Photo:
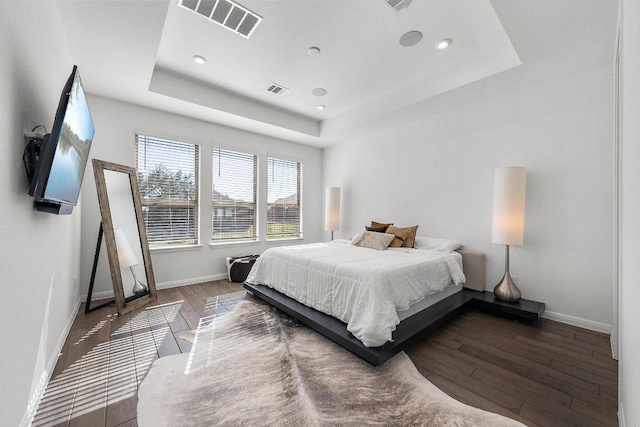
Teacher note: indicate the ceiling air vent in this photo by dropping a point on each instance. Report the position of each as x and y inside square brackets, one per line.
[277, 89]
[398, 5]
[226, 13]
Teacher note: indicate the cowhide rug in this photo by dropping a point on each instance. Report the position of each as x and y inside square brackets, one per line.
[256, 366]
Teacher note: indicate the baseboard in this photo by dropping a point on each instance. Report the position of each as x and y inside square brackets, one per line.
[578, 321]
[163, 285]
[51, 364]
[621, 421]
[191, 281]
[96, 296]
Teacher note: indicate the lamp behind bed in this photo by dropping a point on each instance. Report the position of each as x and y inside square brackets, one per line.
[332, 210]
[508, 221]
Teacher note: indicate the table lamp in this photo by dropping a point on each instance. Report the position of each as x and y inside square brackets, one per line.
[127, 258]
[332, 210]
[508, 221]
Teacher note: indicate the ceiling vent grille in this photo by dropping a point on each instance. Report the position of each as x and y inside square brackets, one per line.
[398, 5]
[277, 89]
[226, 13]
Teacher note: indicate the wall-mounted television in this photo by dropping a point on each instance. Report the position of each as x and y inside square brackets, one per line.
[64, 152]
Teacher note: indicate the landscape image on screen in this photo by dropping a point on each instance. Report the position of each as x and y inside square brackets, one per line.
[72, 151]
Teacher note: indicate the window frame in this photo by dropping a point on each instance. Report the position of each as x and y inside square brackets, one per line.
[194, 241]
[256, 196]
[300, 192]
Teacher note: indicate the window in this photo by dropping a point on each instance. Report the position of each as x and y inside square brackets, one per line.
[283, 199]
[168, 181]
[234, 195]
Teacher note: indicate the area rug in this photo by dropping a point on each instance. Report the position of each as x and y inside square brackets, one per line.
[256, 366]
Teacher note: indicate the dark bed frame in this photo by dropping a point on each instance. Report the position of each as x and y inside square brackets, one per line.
[409, 330]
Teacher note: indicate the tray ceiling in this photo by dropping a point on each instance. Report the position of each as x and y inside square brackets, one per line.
[143, 52]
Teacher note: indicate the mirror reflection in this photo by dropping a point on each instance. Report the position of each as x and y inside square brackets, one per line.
[125, 226]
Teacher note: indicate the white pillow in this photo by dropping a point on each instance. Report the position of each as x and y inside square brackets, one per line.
[373, 240]
[435, 244]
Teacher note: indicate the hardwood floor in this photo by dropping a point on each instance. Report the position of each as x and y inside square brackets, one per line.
[548, 375]
[105, 356]
[551, 374]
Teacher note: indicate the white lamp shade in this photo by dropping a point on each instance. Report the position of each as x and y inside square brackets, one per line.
[332, 209]
[126, 257]
[509, 191]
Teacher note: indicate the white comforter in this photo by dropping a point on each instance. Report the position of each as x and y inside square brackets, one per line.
[364, 288]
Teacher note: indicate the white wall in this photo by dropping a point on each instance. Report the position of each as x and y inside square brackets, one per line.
[116, 124]
[438, 173]
[630, 217]
[39, 255]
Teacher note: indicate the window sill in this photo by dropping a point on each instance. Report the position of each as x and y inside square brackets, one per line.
[181, 248]
[214, 245]
[276, 241]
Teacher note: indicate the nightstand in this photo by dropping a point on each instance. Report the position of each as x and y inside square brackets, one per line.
[523, 309]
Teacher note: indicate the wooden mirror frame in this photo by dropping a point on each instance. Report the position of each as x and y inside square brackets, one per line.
[123, 306]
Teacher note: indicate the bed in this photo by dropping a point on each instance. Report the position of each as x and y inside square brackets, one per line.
[371, 302]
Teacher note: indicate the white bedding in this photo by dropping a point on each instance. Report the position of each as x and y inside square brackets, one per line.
[430, 300]
[365, 288]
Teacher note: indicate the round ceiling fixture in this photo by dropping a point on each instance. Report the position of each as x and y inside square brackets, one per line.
[313, 51]
[199, 59]
[321, 107]
[319, 91]
[444, 43]
[410, 38]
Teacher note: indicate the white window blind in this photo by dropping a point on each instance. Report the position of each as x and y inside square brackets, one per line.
[168, 180]
[234, 195]
[283, 199]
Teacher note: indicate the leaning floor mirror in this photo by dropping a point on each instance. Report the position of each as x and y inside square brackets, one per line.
[125, 235]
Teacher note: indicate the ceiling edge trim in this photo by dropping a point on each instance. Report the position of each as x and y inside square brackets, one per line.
[179, 87]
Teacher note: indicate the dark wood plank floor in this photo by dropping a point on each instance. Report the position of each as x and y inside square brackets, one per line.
[548, 375]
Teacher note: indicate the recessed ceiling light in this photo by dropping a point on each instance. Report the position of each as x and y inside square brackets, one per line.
[321, 107]
[313, 51]
[444, 43]
[199, 59]
[411, 38]
[319, 91]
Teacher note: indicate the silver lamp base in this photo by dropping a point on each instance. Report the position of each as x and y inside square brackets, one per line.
[506, 290]
[138, 287]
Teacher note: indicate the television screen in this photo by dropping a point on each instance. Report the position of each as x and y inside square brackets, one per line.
[72, 148]
[66, 150]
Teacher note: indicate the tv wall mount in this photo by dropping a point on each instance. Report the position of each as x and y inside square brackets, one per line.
[36, 141]
[32, 150]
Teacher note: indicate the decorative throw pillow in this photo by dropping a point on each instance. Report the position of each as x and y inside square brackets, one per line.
[411, 240]
[404, 237]
[376, 229]
[384, 225]
[373, 240]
